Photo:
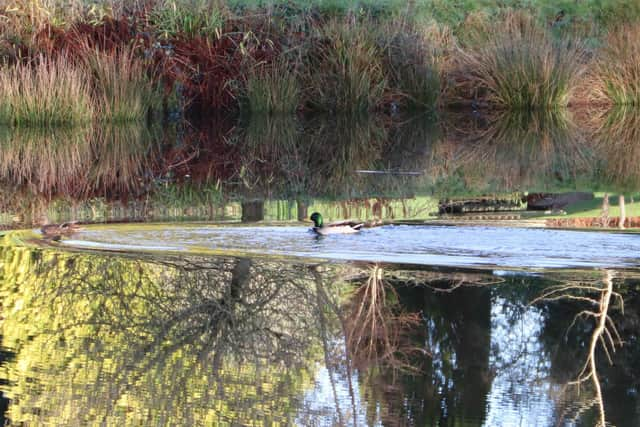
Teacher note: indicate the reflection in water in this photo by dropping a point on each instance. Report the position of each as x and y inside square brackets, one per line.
[525, 150]
[601, 300]
[195, 341]
[334, 160]
[42, 161]
[127, 158]
[203, 340]
[617, 133]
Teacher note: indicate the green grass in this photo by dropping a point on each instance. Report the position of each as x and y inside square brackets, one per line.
[272, 88]
[188, 18]
[593, 208]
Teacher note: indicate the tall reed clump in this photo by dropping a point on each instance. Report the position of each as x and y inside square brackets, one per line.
[616, 75]
[344, 70]
[122, 89]
[49, 92]
[272, 88]
[410, 63]
[519, 67]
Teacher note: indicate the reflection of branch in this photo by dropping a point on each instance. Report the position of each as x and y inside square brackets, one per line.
[604, 333]
[323, 299]
[374, 331]
[454, 280]
[599, 334]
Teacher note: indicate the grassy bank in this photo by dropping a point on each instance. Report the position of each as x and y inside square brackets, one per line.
[333, 56]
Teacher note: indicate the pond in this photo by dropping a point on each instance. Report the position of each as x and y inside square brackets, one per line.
[196, 294]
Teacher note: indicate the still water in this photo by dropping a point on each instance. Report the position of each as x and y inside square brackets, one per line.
[230, 312]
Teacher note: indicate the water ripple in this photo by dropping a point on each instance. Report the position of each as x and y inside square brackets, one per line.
[423, 245]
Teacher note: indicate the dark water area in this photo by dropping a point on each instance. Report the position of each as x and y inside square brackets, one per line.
[196, 295]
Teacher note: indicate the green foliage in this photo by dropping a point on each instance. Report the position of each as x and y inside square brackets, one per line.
[187, 198]
[612, 13]
[189, 18]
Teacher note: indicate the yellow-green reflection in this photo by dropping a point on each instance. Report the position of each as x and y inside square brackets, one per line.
[127, 342]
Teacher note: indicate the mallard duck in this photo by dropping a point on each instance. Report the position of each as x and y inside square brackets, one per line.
[342, 227]
[56, 231]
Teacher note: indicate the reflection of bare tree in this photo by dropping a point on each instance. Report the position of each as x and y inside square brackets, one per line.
[376, 331]
[599, 297]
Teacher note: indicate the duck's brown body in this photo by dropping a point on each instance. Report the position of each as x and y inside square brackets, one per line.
[55, 231]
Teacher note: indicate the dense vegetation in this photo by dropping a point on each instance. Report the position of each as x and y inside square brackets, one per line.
[334, 56]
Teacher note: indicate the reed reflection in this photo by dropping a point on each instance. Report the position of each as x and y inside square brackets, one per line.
[193, 168]
[616, 133]
[515, 151]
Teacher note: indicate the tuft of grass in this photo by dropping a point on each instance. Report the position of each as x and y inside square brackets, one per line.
[272, 88]
[123, 90]
[410, 62]
[344, 71]
[616, 75]
[49, 92]
[188, 18]
[519, 67]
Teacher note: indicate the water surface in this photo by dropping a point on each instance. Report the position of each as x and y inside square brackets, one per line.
[453, 246]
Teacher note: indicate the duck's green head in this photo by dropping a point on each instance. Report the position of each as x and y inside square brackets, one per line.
[317, 219]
